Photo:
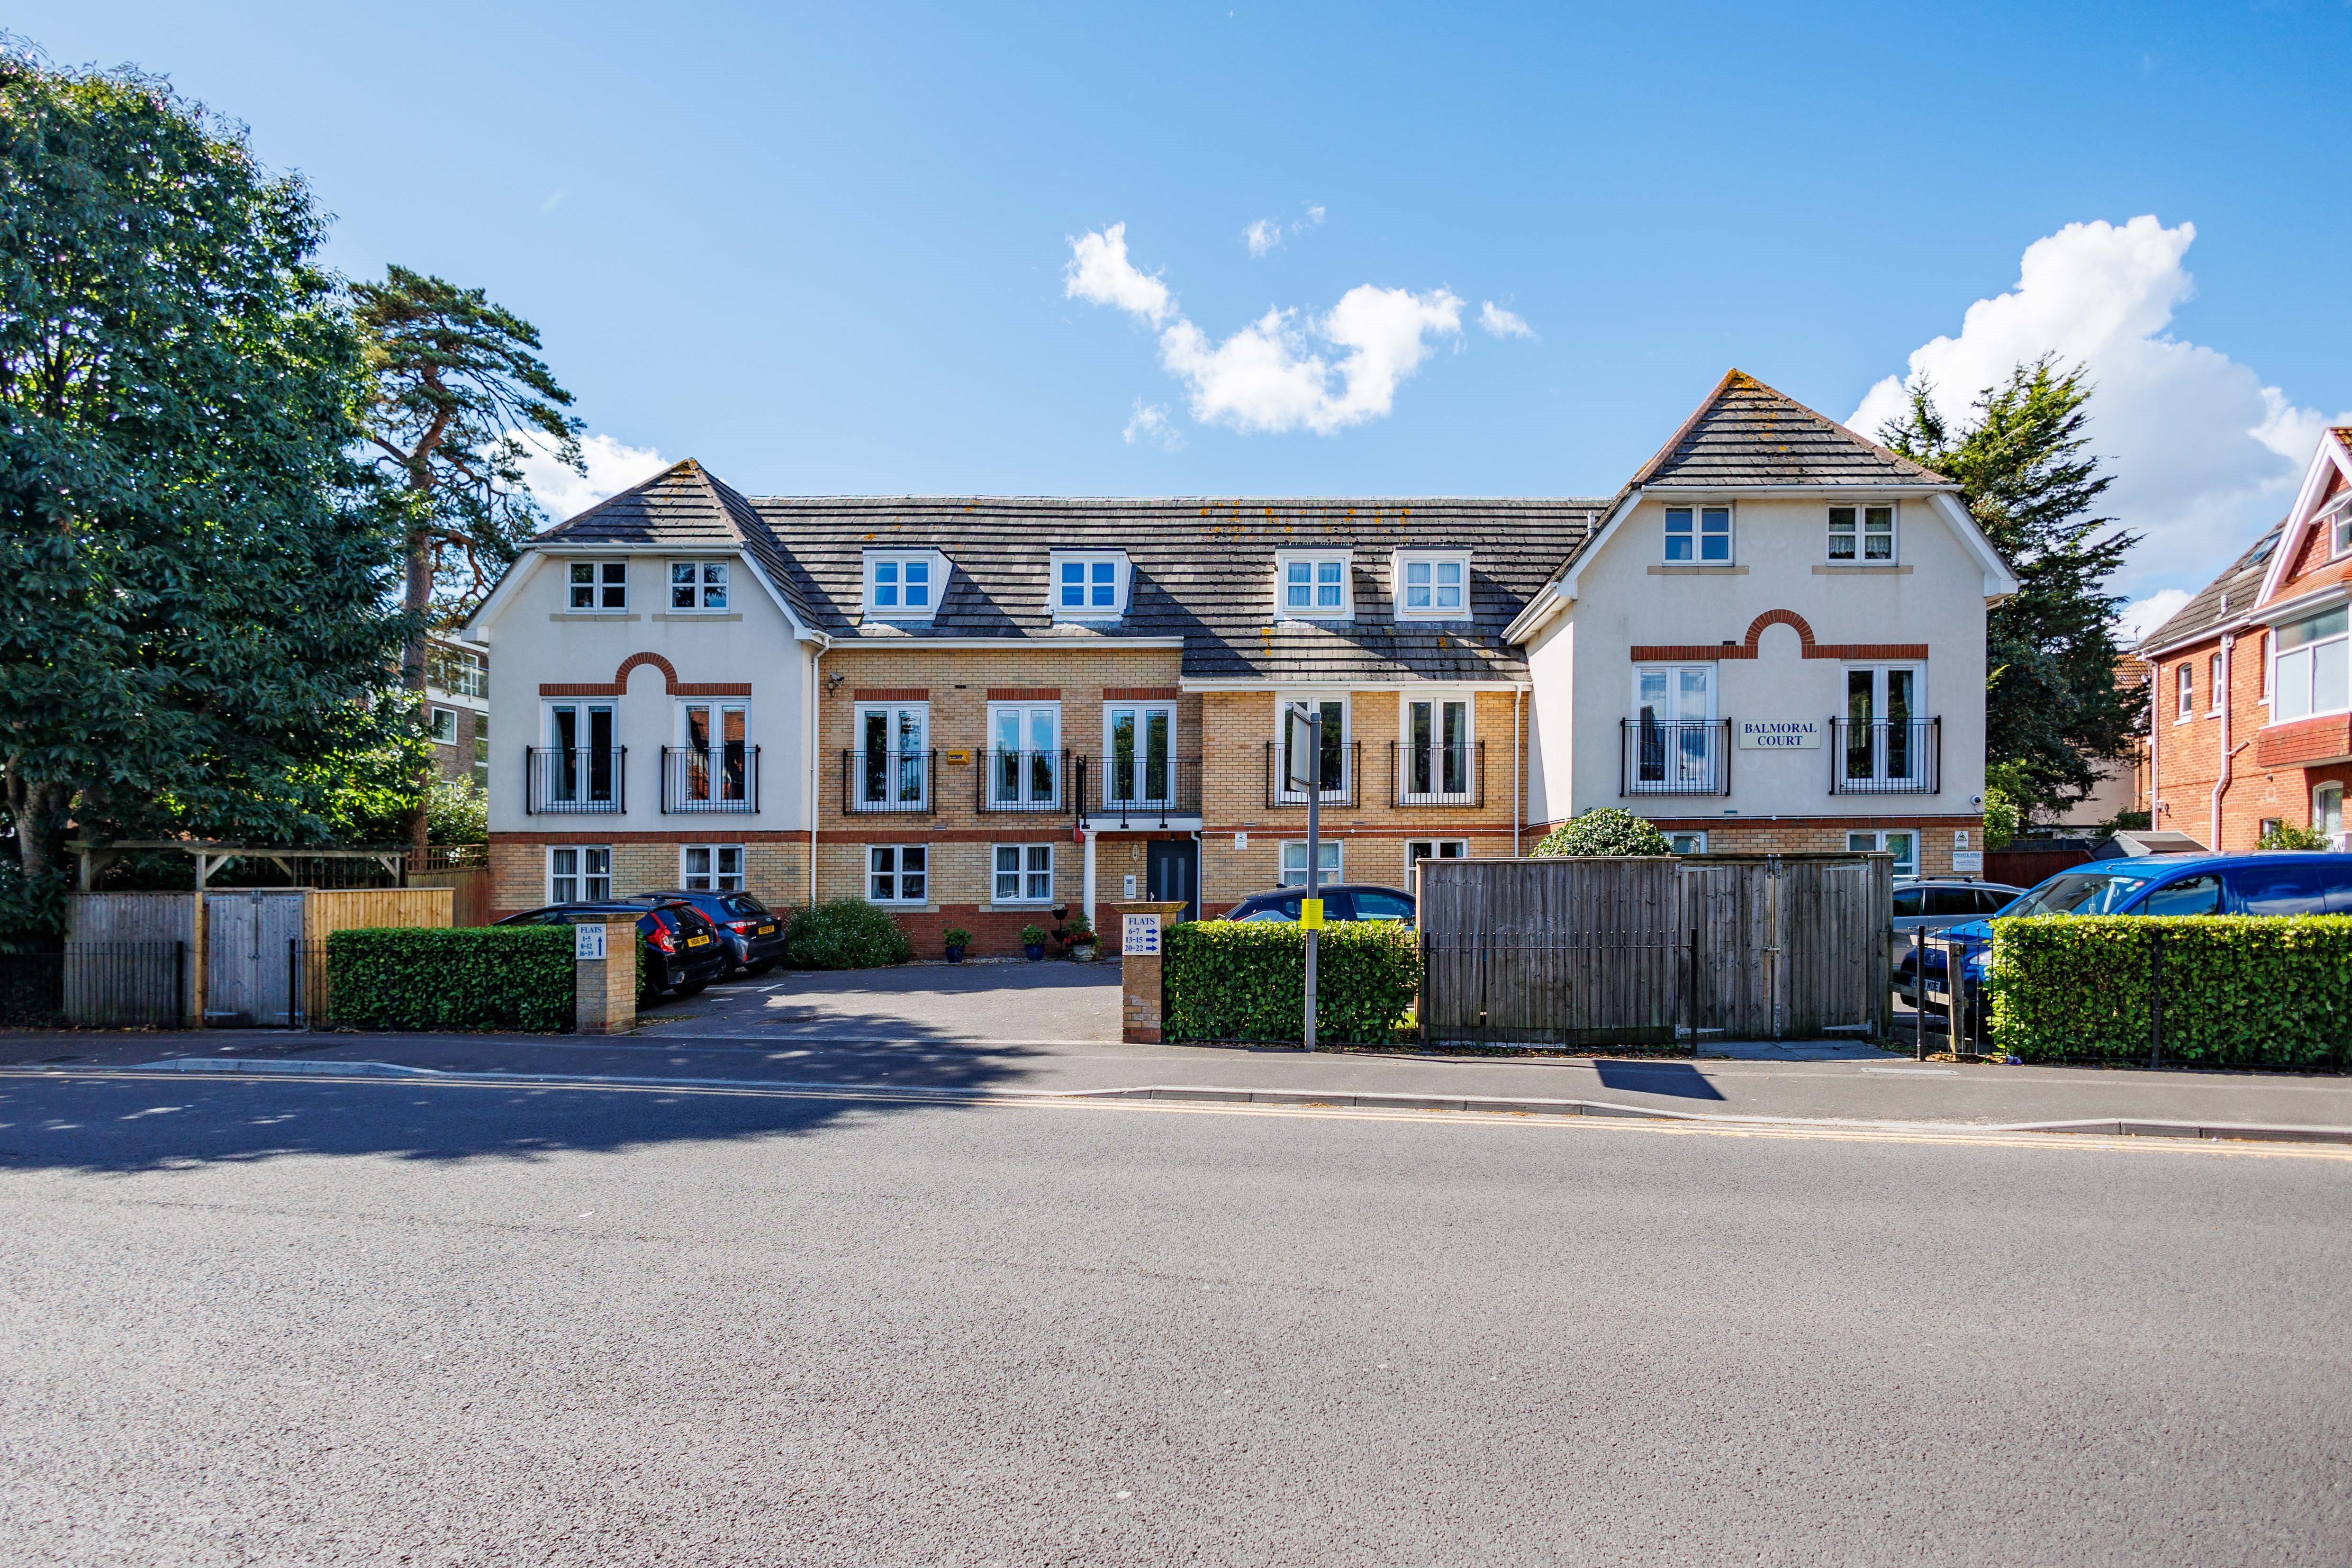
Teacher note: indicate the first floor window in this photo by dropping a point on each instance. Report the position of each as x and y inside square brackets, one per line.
[712, 867]
[1024, 874]
[1332, 764]
[1687, 843]
[1420, 850]
[894, 772]
[482, 750]
[1673, 745]
[698, 585]
[1900, 842]
[578, 873]
[2184, 701]
[2310, 672]
[444, 726]
[898, 873]
[1708, 541]
[1294, 863]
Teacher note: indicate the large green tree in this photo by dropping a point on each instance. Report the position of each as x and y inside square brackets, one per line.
[196, 593]
[459, 388]
[2052, 710]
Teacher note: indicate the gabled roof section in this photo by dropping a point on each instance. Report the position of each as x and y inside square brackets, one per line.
[2225, 601]
[2331, 462]
[1747, 434]
[687, 507]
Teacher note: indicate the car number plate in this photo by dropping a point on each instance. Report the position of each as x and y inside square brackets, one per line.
[767, 930]
[696, 941]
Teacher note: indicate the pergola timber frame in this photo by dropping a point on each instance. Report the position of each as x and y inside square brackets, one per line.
[211, 857]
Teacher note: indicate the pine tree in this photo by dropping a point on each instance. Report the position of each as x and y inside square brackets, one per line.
[2052, 710]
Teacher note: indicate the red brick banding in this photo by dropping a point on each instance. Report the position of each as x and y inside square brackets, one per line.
[890, 694]
[1661, 653]
[1024, 694]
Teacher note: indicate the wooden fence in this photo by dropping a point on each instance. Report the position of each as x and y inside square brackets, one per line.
[1656, 950]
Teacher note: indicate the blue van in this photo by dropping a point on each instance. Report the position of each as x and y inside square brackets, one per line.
[2280, 882]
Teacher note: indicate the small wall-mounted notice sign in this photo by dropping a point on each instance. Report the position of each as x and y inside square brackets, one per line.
[588, 943]
[1138, 936]
[1968, 862]
[1779, 735]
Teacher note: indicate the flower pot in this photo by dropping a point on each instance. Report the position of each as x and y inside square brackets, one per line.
[955, 955]
[1084, 952]
[1033, 950]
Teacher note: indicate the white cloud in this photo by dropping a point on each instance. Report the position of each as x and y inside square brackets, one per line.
[2143, 615]
[1270, 375]
[1263, 235]
[1100, 273]
[1314, 216]
[612, 469]
[1152, 423]
[1503, 323]
[2204, 456]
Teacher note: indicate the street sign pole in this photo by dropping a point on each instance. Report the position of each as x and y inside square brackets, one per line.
[1314, 860]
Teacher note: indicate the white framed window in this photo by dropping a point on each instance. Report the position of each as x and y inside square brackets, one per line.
[1088, 585]
[2335, 523]
[456, 670]
[1687, 843]
[582, 764]
[1312, 584]
[2328, 812]
[1436, 754]
[1884, 735]
[894, 761]
[482, 749]
[1676, 746]
[712, 758]
[1335, 769]
[1330, 851]
[1417, 850]
[710, 868]
[598, 585]
[2262, 659]
[2184, 693]
[1699, 535]
[579, 873]
[1902, 843]
[1024, 755]
[2213, 684]
[2309, 673]
[1024, 874]
[1433, 586]
[1862, 535]
[904, 584]
[1140, 748]
[898, 873]
[444, 726]
[698, 585]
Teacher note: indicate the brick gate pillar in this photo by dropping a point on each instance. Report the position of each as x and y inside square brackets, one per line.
[1142, 928]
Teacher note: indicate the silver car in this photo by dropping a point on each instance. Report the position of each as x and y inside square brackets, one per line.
[1932, 903]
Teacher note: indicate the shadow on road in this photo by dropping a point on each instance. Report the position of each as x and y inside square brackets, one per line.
[1678, 1079]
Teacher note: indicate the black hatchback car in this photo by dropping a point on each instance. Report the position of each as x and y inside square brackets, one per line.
[754, 935]
[684, 951]
[1342, 902]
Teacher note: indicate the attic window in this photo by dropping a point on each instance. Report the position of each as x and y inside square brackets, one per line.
[904, 584]
[698, 585]
[1088, 585]
[1433, 586]
[599, 585]
[1699, 534]
[1864, 533]
[2338, 521]
[1312, 586]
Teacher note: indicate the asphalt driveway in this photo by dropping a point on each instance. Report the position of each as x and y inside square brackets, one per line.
[1055, 1002]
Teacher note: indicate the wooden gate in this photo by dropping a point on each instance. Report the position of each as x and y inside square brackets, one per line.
[250, 937]
[1645, 950]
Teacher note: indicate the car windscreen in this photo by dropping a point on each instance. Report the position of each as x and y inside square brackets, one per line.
[743, 906]
[2079, 893]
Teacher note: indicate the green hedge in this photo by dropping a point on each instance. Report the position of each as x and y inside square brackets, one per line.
[1246, 980]
[2238, 990]
[473, 977]
[848, 933]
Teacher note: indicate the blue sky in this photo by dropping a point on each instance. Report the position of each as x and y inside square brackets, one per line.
[830, 248]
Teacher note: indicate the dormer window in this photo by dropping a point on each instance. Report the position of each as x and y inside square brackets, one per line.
[904, 584]
[698, 585]
[1090, 585]
[1698, 535]
[1433, 586]
[1312, 585]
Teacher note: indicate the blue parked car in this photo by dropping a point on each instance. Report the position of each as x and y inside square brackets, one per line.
[2284, 882]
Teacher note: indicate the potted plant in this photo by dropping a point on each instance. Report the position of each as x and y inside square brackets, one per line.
[956, 939]
[1032, 943]
[1078, 936]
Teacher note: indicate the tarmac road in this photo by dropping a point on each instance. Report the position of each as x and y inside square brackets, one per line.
[255, 1321]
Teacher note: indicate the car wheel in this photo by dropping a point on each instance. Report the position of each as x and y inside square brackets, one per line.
[764, 966]
[694, 990]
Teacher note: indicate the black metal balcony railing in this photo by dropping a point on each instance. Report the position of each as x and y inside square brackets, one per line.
[904, 783]
[1886, 756]
[1342, 766]
[1656, 758]
[569, 778]
[725, 778]
[1437, 773]
[1148, 790]
[1023, 780]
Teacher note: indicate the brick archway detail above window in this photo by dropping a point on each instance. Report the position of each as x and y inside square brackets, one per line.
[619, 685]
[1669, 653]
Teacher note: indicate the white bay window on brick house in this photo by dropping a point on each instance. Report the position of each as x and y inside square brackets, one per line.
[2309, 669]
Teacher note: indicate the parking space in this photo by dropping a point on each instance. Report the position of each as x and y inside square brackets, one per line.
[1052, 1003]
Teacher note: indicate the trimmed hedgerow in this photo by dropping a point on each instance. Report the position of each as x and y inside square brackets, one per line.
[1604, 830]
[1246, 980]
[848, 933]
[468, 977]
[2237, 991]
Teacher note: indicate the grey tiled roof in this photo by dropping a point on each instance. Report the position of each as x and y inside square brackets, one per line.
[2225, 599]
[1202, 569]
[1746, 434]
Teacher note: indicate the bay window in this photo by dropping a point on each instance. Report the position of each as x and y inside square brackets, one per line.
[2308, 668]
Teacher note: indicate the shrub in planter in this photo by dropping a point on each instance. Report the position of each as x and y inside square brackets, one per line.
[955, 938]
[1033, 942]
[1246, 980]
[468, 977]
[848, 933]
[1604, 830]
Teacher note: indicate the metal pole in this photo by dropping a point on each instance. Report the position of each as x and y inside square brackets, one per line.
[1693, 989]
[179, 984]
[1314, 856]
[2155, 995]
[1919, 996]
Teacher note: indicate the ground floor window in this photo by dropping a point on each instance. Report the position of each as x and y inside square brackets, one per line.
[1687, 843]
[1294, 863]
[579, 873]
[1420, 850]
[2328, 812]
[898, 873]
[1024, 874]
[711, 868]
[1902, 843]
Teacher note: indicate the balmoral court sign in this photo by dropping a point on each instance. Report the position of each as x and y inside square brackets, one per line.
[1779, 735]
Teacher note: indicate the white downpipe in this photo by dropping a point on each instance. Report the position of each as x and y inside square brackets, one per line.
[2222, 779]
[817, 735]
[1089, 904]
[1519, 757]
